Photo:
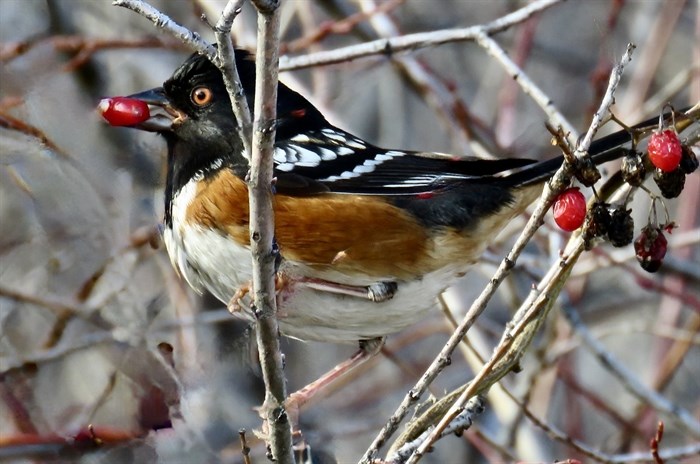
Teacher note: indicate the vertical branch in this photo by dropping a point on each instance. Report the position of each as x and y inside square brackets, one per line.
[226, 62]
[262, 230]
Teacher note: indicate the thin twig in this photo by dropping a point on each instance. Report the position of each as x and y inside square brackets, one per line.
[189, 38]
[414, 41]
[461, 423]
[262, 232]
[560, 179]
[679, 415]
[225, 61]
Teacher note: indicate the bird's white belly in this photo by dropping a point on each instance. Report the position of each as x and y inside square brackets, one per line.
[209, 260]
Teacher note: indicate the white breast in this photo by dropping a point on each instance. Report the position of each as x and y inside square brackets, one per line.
[204, 257]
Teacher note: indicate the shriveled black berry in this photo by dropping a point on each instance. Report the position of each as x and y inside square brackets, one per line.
[670, 183]
[597, 223]
[650, 248]
[586, 171]
[633, 170]
[689, 162]
[621, 228]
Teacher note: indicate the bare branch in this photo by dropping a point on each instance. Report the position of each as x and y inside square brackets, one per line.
[414, 41]
[262, 230]
[226, 62]
[189, 38]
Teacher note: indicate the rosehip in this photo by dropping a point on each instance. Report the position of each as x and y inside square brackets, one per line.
[665, 150]
[650, 248]
[597, 223]
[633, 170]
[122, 111]
[689, 162]
[621, 227]
[670, 183]
[570, 209]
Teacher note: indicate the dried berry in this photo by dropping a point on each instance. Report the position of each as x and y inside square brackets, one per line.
[597, 223]
[670, 183]
[122, 111]
[569, 209]
[633, 170]
[689, 162]
[665, 150]
[650, 248]
[586, 171]
[621, 228]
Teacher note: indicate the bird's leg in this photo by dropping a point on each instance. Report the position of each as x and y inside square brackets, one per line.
[236, 303]
[377, 292]
[368, 349]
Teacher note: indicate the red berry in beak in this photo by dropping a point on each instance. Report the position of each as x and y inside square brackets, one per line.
[122, 111]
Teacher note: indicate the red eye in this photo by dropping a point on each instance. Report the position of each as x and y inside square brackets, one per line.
[201, 96]
[122, 111]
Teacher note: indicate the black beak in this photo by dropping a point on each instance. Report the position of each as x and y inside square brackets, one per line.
[164, 116]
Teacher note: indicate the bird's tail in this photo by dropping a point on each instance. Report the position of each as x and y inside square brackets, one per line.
[608, 148]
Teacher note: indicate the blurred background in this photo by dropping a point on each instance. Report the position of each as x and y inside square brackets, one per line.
[101, 342]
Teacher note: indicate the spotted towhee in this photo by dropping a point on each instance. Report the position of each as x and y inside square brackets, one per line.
[368, 236]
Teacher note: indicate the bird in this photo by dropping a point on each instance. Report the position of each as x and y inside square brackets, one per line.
[368, 237]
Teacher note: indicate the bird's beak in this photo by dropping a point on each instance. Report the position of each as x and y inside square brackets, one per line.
[164, 117]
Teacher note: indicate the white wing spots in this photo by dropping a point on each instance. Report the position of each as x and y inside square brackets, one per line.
[306, 157]
[301, 138]
[344, 151]
[333, 135]
[289, 156]
[286, 167]
[366, 167]
[329, 155]
[356, 143]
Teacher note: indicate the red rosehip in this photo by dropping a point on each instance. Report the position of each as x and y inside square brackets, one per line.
[650, 248]
[570, 209]
[665, 150]
[122, 111]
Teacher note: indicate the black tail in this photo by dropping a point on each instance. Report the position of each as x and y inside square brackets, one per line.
[608, 148]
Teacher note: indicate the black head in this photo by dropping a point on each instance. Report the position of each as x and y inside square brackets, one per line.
[193, 107]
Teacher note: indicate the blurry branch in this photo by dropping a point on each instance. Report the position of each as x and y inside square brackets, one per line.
[14, 124]
[673, 454]
[679, 415]
[82, 47]
[52, 446]
[447, 105]
[343, 26]
[414, 41]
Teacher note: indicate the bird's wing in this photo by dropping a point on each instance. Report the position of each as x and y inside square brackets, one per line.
[331, 160]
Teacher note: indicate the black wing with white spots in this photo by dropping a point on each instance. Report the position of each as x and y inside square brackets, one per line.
[333, 160]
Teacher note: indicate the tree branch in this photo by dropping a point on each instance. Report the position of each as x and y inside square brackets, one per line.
[262, 232]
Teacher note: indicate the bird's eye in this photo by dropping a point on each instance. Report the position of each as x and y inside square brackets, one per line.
[201, 96]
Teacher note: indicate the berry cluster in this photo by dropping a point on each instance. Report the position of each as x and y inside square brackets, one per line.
[670, 160]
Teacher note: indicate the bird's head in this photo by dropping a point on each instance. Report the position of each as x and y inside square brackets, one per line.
[193, 109]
